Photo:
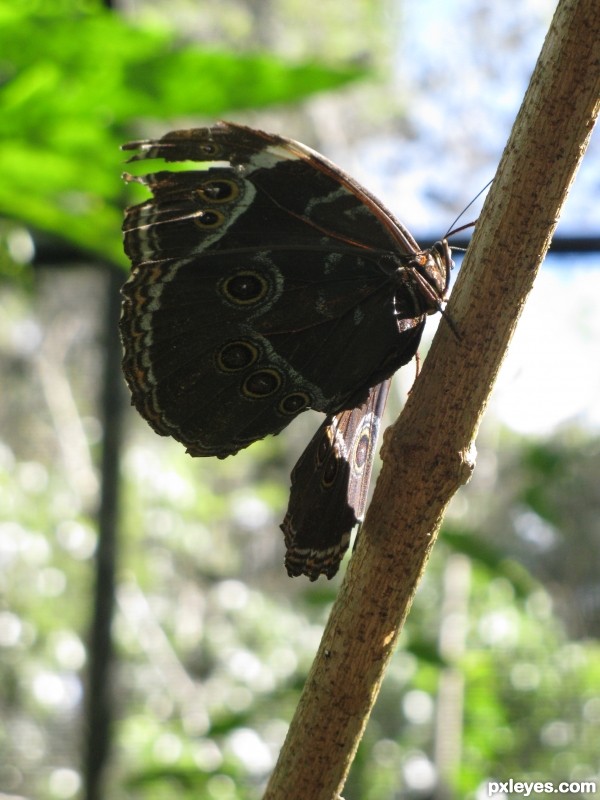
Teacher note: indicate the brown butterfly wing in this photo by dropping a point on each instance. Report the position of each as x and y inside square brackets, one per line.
[264, 282]
[329, 488]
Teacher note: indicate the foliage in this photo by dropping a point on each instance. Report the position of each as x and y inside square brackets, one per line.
[75, 78]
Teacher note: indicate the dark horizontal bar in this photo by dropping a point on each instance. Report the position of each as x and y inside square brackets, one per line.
[560, 244]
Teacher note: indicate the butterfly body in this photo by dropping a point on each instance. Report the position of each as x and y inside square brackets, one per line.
[265, 281]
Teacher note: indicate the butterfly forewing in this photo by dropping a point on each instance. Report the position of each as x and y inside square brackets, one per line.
[259, 289]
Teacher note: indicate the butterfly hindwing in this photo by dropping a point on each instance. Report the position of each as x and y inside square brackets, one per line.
[329, 488]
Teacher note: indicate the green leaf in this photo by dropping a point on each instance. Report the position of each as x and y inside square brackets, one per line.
[76, 81]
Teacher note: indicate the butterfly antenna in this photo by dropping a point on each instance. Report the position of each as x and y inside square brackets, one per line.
[452, 230]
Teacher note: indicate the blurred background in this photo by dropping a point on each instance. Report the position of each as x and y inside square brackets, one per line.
[151, 642]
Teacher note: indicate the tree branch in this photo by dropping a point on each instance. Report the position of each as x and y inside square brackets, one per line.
[430, 451]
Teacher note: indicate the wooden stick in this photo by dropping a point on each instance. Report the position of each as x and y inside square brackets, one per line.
[430, 451]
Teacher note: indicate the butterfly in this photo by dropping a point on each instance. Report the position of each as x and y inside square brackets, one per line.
[266, 281]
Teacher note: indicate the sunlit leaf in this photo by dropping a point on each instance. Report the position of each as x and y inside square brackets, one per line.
[77, 80]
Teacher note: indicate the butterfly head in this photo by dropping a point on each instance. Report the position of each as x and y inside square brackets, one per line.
[427, 277]
[438, 268]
